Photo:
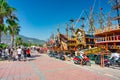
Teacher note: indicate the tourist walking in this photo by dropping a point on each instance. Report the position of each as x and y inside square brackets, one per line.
[25, 54]
[0, 52]
[28, 52]
[8, 52]
[19, 52]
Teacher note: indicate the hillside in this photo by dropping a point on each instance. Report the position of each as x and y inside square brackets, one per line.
[6, 39]
[32, 40]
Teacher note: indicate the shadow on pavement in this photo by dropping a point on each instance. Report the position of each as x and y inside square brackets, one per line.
[115, 67]
[31, 59]
[34, 56]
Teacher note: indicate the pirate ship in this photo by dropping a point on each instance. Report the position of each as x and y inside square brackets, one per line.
[77, 40]
[109, 37]
[106, 37]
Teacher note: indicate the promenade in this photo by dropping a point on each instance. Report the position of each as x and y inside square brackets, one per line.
[42, 67]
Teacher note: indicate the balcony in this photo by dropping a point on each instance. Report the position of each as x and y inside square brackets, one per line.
[108, 39]
[107, 30]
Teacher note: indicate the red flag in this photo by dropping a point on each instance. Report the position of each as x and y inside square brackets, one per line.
[78, 20]
[101, 8]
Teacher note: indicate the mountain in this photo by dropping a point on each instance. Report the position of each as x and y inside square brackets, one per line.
[31, 40]
[6, 39]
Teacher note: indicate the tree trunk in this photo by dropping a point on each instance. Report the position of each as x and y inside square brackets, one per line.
[1, 22]
[12, 41]
[0, 36]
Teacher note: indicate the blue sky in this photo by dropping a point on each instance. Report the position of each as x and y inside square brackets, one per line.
[40, 18]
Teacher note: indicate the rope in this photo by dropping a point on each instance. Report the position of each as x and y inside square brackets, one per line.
[93, 5]
[78, 19]
[82, 13]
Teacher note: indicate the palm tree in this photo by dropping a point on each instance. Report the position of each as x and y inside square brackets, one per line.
[18, 41]
[13, 27]
[5, 11]
[3, 29]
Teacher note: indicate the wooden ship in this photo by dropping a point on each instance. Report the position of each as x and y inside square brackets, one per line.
[78, 39]
[99, 40]
[108, 37]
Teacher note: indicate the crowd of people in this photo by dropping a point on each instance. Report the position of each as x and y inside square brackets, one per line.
[15, 54]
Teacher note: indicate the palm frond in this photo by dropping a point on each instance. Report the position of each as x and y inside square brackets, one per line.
[15, 18]
[10, 29]
[2, 27]
[5, 29]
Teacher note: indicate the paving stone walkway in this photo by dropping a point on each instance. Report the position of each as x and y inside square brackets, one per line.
[42, 67]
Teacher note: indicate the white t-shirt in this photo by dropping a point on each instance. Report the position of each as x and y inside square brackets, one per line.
[48, 51]
[115, 55]
[19, 51]
[6, 51]
[76, 53]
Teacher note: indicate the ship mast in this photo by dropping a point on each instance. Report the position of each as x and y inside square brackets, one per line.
[72, 28]
[91, 22]
[109, 23]
[58, 29]
[66, 29]
[116, 7]
[58, 33]
[82, 18]
[100, 18]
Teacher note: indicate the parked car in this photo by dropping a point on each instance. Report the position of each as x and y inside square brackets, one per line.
[118, 62]
[60, 56]
[51, 53]
[106, 60]
[114, 62]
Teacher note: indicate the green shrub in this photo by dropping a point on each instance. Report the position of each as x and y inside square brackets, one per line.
[3, 46]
